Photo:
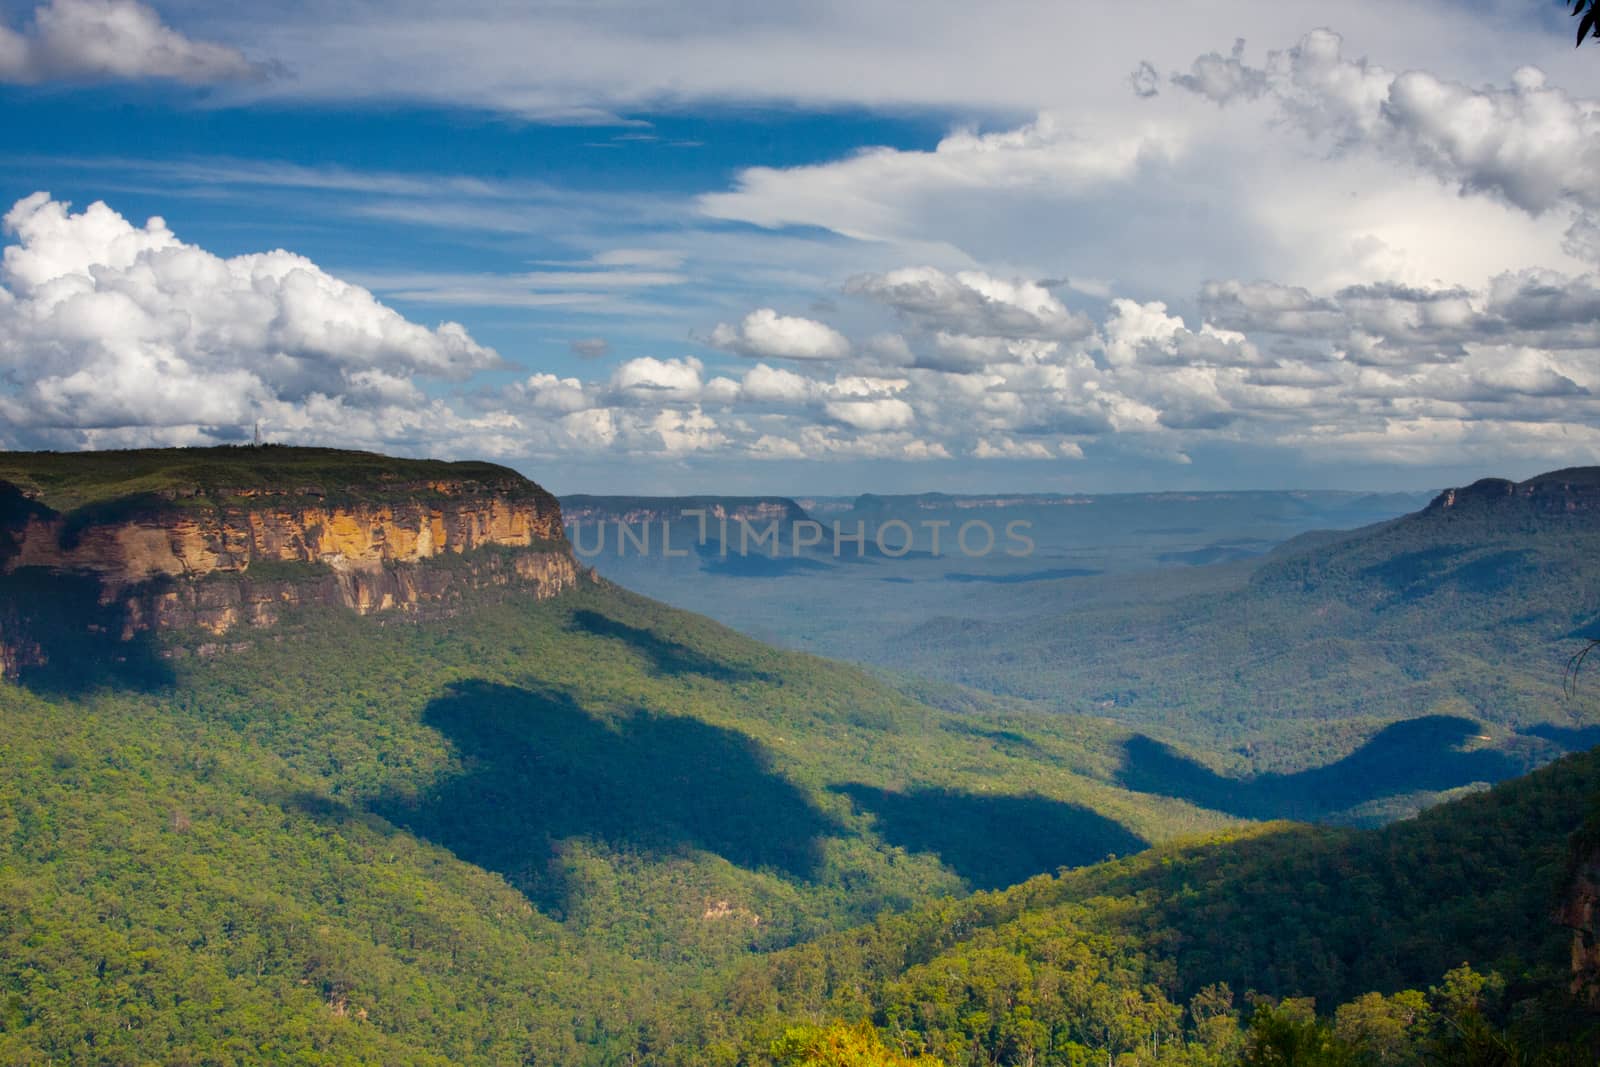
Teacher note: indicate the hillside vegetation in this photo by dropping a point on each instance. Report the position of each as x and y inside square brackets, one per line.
[68, 481]
[1159, 958]
[594, 828]
[445, 842]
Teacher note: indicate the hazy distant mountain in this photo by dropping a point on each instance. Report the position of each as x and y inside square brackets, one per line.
[1468, 609]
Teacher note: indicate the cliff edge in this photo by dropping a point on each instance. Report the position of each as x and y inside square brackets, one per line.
[120, 544]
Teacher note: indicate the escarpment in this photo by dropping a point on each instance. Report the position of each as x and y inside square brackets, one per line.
[1579, 912]
[118, 545]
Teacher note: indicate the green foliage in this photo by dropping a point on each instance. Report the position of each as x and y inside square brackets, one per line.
[520, 834]
[79, 481]
[841, 1045]
[1102, 961]
[594, 828]
[1289, 1034]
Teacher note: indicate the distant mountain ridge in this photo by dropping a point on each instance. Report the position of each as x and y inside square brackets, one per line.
[1569, 489]
[1467, 608]
[590, 508]
[1484, 535]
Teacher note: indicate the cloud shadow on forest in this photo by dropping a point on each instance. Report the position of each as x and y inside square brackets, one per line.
[1418, 754]
[666, 657]
[537, 770]
[993, 841]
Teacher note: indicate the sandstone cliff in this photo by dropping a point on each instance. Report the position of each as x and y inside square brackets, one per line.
[1579, 911]
[221, 539]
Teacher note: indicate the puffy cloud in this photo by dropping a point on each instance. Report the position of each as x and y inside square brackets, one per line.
[112, 333]
[765, 334]
[890, 349]
[82, 40]
[594, 429]
[818, 442]
[1145, 333]
[1549, 308]
[972, 302]
[722, 390]
[1387, 323]
[104, 324]
[686, 431]
[1222, 78]
[650, 380]
[765, 384]
[1493, 374]
[883, 413]
[546, 392]
[1267, 305]
[960, 353]
[854, 386]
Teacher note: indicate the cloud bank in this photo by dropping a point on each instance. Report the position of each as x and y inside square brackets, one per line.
[1307, 255]
[115, 334]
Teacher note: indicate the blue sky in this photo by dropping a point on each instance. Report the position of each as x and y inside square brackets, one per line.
[199, 167]
[824, 249]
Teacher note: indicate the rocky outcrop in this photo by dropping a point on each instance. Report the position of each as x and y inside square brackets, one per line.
[1579, 911]
[1575, 489]
[215, 558]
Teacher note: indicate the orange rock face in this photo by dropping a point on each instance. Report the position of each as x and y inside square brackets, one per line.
[216, 564]
[194, 543]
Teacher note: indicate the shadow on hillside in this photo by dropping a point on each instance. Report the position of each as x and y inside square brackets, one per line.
[1418, 754]
[993, 841]
[538, 769]
[1570, 738]
[67, 642]
[666, 657]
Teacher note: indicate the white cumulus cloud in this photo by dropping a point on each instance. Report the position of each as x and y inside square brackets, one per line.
[765, 334]
[104, 324]
[649, 379]
[1528, 143]
[884, 413]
